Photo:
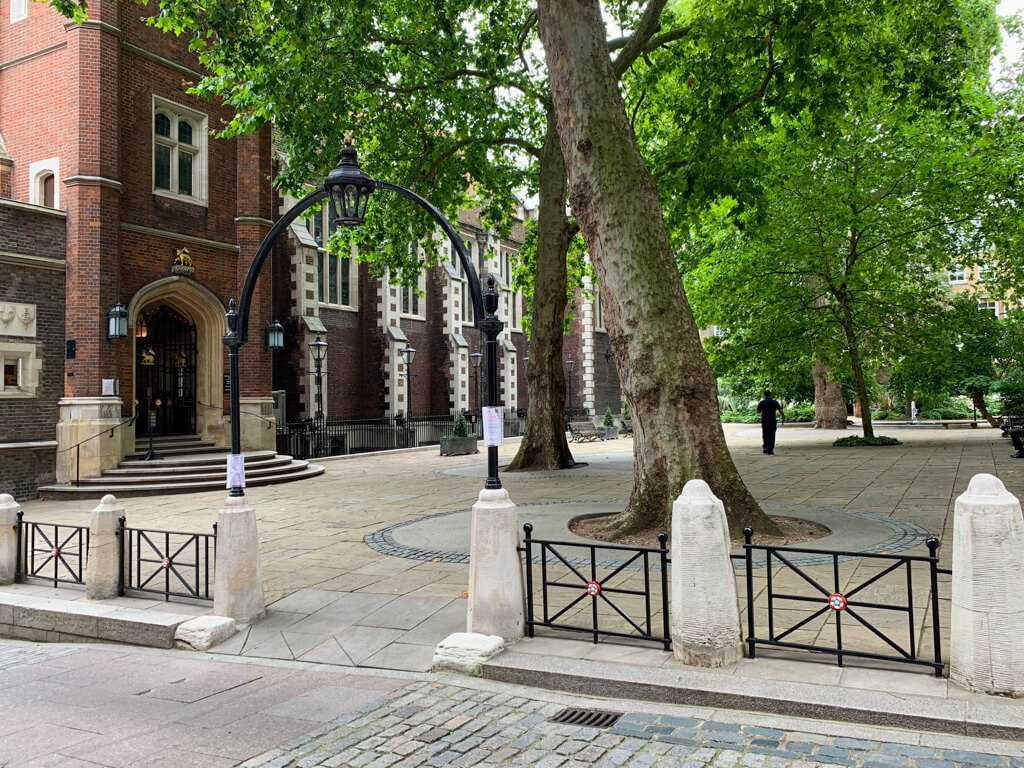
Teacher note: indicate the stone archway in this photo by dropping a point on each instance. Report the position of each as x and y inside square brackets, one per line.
[205, 310]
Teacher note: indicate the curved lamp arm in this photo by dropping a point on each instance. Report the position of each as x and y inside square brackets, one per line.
[460, 248]
[249, 287]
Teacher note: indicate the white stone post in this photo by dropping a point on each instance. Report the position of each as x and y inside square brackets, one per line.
[496, 605]
[987, 623]
[238, 576]
[8, 538]
[103, 566]
[705, 620]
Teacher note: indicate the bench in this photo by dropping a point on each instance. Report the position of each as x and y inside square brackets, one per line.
[627, 427]
[947, 423]
[583, 431]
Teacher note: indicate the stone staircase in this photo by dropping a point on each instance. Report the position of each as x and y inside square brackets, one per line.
[183, 463]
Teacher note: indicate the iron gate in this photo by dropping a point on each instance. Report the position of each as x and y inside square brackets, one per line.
[165, 385]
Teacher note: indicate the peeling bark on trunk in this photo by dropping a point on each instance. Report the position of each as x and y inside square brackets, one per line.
[544, 445]
[658, 355]
[978, 398]
[829, 406]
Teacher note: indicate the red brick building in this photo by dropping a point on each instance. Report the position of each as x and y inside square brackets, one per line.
[113, 191]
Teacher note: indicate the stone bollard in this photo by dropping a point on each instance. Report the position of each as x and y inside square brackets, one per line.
[103, 566]
[8, 538]
[705, 620]
[496, 604]
[987, 622]
[238, 576]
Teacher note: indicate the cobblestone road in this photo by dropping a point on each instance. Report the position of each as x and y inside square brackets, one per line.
[433, 725]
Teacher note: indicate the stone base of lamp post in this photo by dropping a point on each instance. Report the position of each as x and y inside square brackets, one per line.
[496, 595]
[238, 579]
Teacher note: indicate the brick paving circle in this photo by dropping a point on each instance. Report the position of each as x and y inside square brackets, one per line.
[904, 535]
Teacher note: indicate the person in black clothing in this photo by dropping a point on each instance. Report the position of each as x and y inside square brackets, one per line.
[767, 409]
[1015, 435]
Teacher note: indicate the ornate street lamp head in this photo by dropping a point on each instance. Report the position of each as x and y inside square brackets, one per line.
[318, 348]
[568, 365]
[409, 354]
[275, 336]
[349, 187]
[475, 358]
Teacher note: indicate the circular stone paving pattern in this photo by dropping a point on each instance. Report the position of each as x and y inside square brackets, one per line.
[444, 537]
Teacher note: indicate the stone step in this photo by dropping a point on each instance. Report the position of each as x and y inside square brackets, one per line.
[168, 485]
[142, 440]
[158, 467]
[170, 446]
[179, 451]
[210, 460]
[284, 466]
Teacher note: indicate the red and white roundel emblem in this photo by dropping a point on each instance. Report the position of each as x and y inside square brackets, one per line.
[837, 602]
[167, 562]
[56, 551]
[158, 402]
[593, 588]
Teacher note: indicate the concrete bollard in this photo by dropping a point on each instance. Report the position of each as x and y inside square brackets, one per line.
[103, 566]
[987, 622]
[496, 605]
[238, 576]
[8, 538]
[705, 620]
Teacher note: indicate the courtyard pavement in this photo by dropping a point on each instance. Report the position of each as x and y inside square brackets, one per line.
[83, 706]
[335, 599]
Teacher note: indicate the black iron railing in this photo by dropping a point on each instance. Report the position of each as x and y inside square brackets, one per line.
[317, 438]
[168, 563]
[584, 584]
[830, 601]
[77, 447]
[44, 547]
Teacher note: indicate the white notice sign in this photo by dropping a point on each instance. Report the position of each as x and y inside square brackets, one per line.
[236, 470]
[492, 426]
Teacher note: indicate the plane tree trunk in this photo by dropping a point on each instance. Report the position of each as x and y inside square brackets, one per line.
[829, 405]
[670, 387]
[544, 444]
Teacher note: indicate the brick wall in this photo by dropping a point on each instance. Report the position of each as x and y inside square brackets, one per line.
[40, 234]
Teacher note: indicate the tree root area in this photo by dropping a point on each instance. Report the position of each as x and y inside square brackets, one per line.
[793, 531]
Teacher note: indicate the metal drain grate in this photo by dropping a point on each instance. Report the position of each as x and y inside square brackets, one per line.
[591, 718]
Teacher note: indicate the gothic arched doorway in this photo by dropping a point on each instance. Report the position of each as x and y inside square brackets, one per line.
[165, 371]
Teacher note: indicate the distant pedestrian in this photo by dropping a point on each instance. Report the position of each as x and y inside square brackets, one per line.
[767, 409]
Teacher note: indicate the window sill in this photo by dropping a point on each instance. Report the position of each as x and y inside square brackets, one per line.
[180, 198]
[340, 307]
[5, 395]
[406, 316]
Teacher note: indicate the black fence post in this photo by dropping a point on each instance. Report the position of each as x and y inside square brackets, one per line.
[120, 555]
[748, 534]
[933, 567]
[663, 544]
[527, 533]
[19, 563]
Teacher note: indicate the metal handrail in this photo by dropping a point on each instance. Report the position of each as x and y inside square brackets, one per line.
[77, 446]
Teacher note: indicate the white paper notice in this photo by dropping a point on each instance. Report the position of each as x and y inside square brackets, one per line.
[492, 426]
[108, 387]
[236, 470]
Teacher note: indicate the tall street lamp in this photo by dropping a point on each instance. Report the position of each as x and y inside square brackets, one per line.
[349, 189]
[409, 354]
[318, 349]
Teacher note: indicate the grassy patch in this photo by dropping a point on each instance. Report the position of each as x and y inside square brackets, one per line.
[858, 440]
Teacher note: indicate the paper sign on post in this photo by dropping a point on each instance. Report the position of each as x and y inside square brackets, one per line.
[236, 470]
[492, 426]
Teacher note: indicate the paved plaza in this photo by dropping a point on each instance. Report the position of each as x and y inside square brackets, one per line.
[339, 595]
[88, 706]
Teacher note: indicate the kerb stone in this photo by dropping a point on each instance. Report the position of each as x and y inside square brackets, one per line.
[465, 652]
[705, 622]
[203, 632]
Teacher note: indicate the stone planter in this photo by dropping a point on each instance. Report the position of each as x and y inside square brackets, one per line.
[458, 446]
[609, 433]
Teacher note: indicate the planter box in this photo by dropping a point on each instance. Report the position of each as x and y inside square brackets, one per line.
[609, 433]
[458, 446]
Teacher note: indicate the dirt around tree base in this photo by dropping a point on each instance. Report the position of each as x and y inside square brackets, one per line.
[793, 531]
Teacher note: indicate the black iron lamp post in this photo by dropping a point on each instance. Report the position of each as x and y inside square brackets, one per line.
[349, 189]
[319, 350]
[409, 354]
[568, 373]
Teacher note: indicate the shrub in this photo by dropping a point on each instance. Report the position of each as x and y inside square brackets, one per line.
[856, 440]
[800, 412]
[609, 420]
[459, 428]
[625, 411]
